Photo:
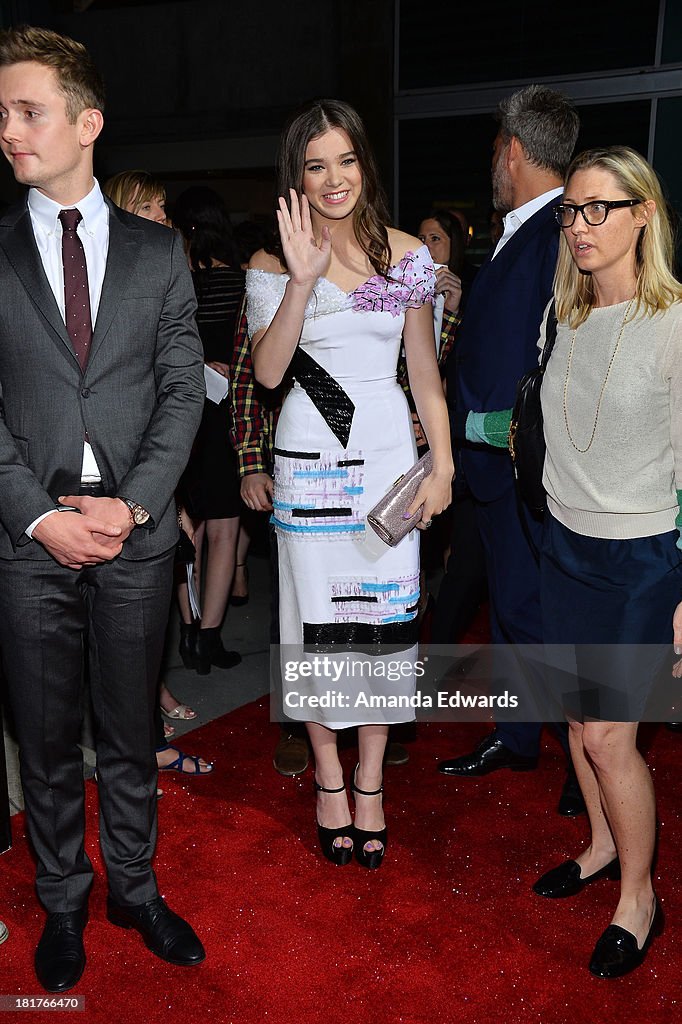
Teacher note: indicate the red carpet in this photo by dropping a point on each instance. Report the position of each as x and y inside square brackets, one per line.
[447, 930]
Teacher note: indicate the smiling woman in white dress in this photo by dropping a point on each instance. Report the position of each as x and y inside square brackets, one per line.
[330, 309]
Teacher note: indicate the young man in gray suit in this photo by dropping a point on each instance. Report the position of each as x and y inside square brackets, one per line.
[101, 393]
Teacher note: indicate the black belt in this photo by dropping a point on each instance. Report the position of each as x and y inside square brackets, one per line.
[92, 490]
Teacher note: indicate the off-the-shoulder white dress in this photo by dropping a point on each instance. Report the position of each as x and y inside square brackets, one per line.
[344, 436]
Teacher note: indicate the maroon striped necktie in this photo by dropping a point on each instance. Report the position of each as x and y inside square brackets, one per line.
[76, 290]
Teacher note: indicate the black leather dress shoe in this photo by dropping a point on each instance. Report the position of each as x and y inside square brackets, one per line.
[571, 800]
[566, 881]
[617, 953]
[488, 756]
[165, 933]
[60, 956]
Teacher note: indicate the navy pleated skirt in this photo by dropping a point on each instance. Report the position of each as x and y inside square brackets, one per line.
[607, 608]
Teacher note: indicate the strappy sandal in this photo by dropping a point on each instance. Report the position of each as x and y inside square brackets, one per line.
[176, 765]
[368, 858]
[339, 855]
[180, 711]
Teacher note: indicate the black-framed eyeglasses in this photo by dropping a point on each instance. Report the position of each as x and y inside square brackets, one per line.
[594, 213]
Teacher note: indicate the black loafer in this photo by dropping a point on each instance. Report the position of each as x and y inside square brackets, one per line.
[60, 956]
[165, 933]
[566, 881]
[617, 952]
[571, 800]
[490, 755]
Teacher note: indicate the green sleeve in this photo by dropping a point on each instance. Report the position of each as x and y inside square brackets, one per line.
[489, 427]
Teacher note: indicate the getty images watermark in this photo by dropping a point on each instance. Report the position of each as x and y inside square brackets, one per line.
[374, 672]
[340, 686]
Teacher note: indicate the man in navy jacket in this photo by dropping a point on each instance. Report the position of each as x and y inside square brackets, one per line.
[496, 346]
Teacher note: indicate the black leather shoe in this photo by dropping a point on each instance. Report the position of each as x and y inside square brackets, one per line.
[60, 956]
[617, 953]
[488, 756]
[571, 800]
[566, 881]
[164, 932]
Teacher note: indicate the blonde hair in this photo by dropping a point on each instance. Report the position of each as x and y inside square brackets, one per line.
[656, 286]
[133, 186]
[77, 77]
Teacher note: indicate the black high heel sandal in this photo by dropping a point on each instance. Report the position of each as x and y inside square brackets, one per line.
[339, 855]
[368, 858]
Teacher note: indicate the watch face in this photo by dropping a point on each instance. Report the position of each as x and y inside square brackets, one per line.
[140, 515]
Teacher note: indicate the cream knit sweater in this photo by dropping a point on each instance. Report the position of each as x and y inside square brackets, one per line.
[625, 485]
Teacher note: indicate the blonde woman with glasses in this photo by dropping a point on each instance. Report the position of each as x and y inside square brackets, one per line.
[611, 565]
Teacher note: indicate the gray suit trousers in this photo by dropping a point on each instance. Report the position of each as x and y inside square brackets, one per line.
[48, 616]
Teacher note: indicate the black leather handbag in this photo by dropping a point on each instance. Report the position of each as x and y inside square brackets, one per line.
[185, 552]
[526, 433]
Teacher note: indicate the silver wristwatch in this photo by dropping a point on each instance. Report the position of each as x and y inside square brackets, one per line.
[138, 514]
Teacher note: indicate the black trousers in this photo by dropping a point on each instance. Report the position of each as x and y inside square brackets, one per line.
[47, 614]
[465, 584]
[5, 826]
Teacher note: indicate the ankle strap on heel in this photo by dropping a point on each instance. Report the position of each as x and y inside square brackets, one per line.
[364, 792]
[367, 792]
[321, 789]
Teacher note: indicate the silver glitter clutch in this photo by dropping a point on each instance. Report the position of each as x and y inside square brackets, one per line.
[386, 518]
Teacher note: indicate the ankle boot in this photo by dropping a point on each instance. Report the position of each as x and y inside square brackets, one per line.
[188, 644]
[210, 651]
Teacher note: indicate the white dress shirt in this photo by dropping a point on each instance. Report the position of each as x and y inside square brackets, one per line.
[515, 218]
[93, 231]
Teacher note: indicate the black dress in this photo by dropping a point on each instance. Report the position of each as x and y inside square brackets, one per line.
[210, 484]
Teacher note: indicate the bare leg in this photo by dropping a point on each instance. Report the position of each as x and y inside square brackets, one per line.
[183, 604]
[602, 848]
[627, 797]
[369, 814]
[221, 536]
[240, 584]
[332, 808]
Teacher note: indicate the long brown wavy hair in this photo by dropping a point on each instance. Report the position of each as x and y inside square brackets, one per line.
[370, 216]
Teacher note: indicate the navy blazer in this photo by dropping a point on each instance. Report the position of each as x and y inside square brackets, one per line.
[497, 341]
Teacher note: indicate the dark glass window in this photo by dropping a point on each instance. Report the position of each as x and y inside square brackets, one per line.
[495, 41]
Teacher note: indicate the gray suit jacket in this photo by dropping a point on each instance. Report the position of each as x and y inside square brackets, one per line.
[140, 398]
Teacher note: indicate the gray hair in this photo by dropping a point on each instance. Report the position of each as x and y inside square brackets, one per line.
[546, 124]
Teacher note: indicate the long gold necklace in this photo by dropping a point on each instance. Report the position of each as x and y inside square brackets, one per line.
[603, 387]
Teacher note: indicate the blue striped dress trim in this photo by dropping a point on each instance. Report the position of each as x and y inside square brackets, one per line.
[318, 527]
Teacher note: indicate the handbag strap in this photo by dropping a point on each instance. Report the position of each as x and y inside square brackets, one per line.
[523, 512]
[550, 336]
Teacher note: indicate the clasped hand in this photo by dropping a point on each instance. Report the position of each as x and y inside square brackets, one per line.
[305, 259]
[94, 535]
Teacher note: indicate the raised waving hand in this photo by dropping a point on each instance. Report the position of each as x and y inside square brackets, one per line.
[306, 260]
